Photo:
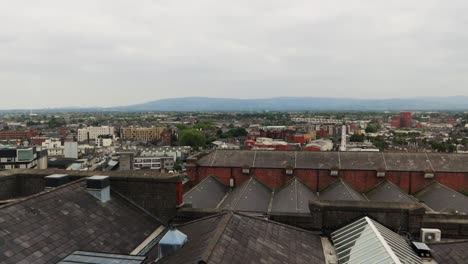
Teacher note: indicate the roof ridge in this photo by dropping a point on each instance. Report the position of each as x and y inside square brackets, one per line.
[242, 193]
[275, 223]
[206, 254]
[203, 218]
[127, 200]
[24, 199]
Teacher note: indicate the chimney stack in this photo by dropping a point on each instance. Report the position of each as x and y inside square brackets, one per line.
[99, 187]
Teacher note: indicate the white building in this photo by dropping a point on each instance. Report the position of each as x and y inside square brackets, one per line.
[104, 141]
[91, 133]
[54, 147]
[71, 150]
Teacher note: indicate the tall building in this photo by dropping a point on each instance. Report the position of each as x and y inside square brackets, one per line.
[141, 133]
[91, 133]
[405, 119]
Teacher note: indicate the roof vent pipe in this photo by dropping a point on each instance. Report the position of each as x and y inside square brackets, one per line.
[55, 180]
[99, 187]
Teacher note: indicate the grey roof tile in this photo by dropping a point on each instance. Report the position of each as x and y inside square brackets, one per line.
[443, 199]
[386, 191]
[51, 225]
[340, 191]
[293, 197]
[206, 194]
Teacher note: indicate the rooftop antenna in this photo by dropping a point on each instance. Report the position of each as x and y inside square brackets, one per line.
[343, 138]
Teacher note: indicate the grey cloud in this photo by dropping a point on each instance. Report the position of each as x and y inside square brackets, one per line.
[104, 53]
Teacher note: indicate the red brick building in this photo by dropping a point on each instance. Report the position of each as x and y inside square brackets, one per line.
[409, 171]
[15, 134]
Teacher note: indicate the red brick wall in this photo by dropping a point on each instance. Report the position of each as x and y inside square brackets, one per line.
[362, 181]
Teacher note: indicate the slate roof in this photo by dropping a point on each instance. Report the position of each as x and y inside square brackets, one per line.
[206, 194]
[48, 226]
[341, 191]
[342, 160]
[237, 238]
[443, 199]
[452, 252]
[386, 191]
[293, 197]
[251, 196]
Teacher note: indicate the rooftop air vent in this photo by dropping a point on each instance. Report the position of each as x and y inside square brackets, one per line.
[246, 169]
[172, 241]
[55, 180]
[289, 170]
[99, 187]
[334, 171]
[429, 235]
[381, 173]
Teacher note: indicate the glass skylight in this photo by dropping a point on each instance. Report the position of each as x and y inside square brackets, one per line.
[366, 241]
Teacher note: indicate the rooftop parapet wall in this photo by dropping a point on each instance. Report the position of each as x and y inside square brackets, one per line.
[153, 191]
[331, 215]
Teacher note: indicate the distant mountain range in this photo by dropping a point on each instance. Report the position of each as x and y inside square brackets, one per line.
[453, 103]
[301, 104]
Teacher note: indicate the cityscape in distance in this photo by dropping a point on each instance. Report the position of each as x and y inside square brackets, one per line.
[233, 132]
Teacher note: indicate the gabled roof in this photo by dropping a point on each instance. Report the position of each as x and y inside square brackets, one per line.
[251, 196]
[386, 191]
[293, 197]
[206, 194]
[340, 191]
[443, 199]
[343, 160]
[237, 238]
[48, 226]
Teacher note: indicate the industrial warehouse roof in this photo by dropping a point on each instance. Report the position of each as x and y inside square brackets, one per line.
[206, 194]
[386, 191]
[341, 191]
[251, 195]
[237, 238]
[443, 199]
[293, 197]
[342, 160]
[48, 226]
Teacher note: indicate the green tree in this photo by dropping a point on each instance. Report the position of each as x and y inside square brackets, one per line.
[193, 138]
[357, 138]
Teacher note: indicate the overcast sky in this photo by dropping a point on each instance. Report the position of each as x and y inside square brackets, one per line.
[56, 53]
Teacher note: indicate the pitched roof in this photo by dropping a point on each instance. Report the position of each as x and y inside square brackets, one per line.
[206, 194]
[293, 197]
[342, 160]
[237, 238]
[251, 196]
[443, 199]
[386, 191]
[453, 252]
[48, 226]
[341, 191]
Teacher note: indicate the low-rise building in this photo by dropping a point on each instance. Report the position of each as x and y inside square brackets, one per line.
[141, 133]
[91, 133]
[22, 158]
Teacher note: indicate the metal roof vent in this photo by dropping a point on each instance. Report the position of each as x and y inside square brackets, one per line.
[55, 180]
[172, 241]
[99, 187]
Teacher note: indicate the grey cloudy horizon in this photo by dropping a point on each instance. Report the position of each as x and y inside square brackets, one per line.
[108, 53]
